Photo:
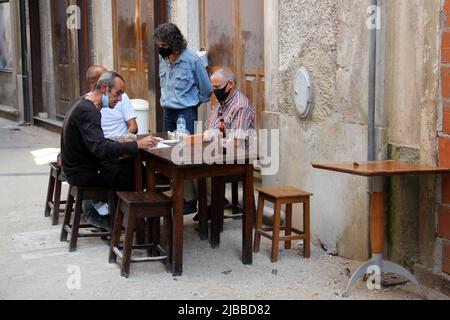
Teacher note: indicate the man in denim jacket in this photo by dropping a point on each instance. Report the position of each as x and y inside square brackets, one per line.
[185, 85]
[184, 81]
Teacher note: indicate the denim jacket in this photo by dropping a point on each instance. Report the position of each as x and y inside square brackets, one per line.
[185, 83]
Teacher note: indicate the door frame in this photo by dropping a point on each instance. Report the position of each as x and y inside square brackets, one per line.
[158, 13]
[140, 63]
[238, 56]
[116, 50]
[83, 46]
[79, 50]
[236, 27]
[35, 56]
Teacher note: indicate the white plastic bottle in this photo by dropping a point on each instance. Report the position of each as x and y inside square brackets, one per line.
[181, 124]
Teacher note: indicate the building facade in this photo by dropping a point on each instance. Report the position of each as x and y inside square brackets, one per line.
[266, 42]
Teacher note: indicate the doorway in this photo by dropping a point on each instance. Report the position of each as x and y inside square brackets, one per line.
[233, 33]
[71, 54]
[131, 45]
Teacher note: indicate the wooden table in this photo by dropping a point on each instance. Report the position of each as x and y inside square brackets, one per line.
[160, 161]
[379, 170]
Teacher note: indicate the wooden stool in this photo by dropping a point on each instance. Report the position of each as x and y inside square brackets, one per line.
[280, 196]
[53, 201]
[137, 206]
[77, 195]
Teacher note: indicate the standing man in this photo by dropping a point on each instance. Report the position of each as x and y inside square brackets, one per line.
[118, 121]
[88, 158]
[184, 87]
[184, 81]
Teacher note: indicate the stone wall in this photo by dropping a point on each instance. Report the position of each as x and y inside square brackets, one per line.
[8, 93]
[410, 107]
[330, 39]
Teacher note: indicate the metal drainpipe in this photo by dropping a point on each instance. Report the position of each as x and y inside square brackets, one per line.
[24, 71]
[372, 104]
[372, 90]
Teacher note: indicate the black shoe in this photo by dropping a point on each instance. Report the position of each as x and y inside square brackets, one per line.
[190, 207]
[209, 215]
[95, 219]
[88, 206]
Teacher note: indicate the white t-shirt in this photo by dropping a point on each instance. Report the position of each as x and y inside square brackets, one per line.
[114, 121]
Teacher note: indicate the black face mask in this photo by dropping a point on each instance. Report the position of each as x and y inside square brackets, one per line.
[221, 94]
[165, 52]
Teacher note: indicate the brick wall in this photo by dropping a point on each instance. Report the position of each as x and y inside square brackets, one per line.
[443, 217]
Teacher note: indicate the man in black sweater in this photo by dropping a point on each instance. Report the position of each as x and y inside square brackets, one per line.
[88, 158]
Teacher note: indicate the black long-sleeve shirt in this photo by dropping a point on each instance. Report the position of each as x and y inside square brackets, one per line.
[83, 144]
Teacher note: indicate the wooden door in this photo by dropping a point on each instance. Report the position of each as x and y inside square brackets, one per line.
[131, 45]
[66, 58]
[233, 33]
[251, 62]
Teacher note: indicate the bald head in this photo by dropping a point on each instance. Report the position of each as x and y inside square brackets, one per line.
[93, 74]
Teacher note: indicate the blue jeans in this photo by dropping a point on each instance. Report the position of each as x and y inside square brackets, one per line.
[170, 124]
[171, 118]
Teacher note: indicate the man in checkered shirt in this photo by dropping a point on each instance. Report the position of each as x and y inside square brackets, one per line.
[232, 106]
[238, 115]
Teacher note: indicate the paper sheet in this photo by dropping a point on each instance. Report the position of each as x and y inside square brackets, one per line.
[160, 146]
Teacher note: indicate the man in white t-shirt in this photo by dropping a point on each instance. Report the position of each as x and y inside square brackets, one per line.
[119, 121]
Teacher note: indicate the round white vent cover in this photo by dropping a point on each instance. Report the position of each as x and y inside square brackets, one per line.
[302, 93]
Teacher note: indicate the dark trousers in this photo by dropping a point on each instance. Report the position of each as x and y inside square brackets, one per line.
[171, 118]
[117, 175]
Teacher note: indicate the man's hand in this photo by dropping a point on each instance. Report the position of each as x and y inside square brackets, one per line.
[147, 143]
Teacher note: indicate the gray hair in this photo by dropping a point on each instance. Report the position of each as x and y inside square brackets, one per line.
[93, 73]
[108, 78]
[225, 74]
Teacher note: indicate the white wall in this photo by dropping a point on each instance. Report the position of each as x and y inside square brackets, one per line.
[186, 15]
[103, 33]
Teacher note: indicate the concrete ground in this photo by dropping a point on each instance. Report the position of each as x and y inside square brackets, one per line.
[35, 265]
